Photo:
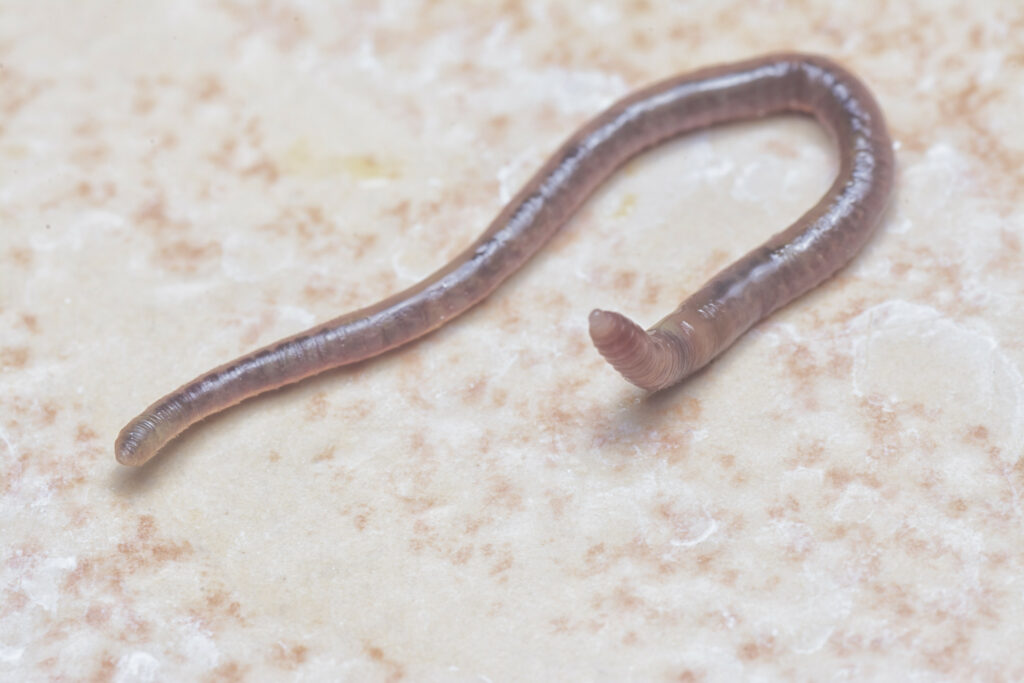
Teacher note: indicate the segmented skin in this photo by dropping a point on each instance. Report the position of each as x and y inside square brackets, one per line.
[787, 265]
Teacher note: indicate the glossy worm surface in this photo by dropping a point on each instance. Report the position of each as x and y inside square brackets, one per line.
[787, 265]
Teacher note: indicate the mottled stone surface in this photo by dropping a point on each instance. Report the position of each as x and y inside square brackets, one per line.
[839, 496]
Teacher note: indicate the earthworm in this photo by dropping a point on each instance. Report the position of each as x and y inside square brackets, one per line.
[787, 265]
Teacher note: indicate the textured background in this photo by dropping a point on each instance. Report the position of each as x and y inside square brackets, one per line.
[840, 496]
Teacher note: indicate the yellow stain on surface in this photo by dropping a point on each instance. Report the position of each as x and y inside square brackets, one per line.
[626, 206]
[14, 151]
[300, 159]
[368, 167]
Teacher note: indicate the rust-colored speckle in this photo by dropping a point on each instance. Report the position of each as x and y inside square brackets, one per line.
[958, 507]
[219, 604]
[395, 671]
[503, 493]
[30, 322]
[809, 453]
[462, 555]
[146, 527]
[289, 656]
[499, 397]
[86, 128]
[13, 358]
[754, 650]
[209, 88]
[105, 670]
[222, 157]
[166, 552]
[324, 455]
[688, 409]
[360, 520]
[98, 615]
[505, 562]
[624, 279]
[559, 625]
[143, 103]
[85, 433]
[264, 169]
[229, 672]
[977, 433]
[189, 257]
[905, 609]
[558, 502]
[838, 478]
[944, 660]
[497, 125]
[474, 390]
[152, 211]
[625, 598]
[145, 549]
[48, 414]
[802, 367]
[314, 294]
[14, 601]
[705, 561]
[641, 39]
[95, 192]
[284, 28]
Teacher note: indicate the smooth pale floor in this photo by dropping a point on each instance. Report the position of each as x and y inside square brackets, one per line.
[839, 496]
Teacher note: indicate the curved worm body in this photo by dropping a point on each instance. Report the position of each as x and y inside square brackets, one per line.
[787, 265]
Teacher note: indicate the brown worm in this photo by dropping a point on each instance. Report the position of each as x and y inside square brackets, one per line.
[787, 265]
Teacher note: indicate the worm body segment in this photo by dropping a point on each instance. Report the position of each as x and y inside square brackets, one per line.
[787, 265]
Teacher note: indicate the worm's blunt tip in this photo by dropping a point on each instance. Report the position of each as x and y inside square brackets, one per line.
[122, 460]
[127, 451]
[126, 457]
[601, 323]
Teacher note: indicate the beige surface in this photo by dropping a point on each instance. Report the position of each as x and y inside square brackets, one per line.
[840, 496]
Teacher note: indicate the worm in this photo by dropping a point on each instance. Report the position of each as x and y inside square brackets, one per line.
[792, 262]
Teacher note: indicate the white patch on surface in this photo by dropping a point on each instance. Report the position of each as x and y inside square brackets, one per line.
[942, 166]
[74, 234]
[199, 646]
[138, 666]
[573, 91]
[7, 444]
[10, 655]
[757, 182]
[245, 259]
[856, 504]
[299, 315]
[513, 175]
[403, 272]
[43, 586]
[907, 353]
[710, 527]
[366, 56]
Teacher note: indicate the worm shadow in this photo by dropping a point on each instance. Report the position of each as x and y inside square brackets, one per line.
[637, 415]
